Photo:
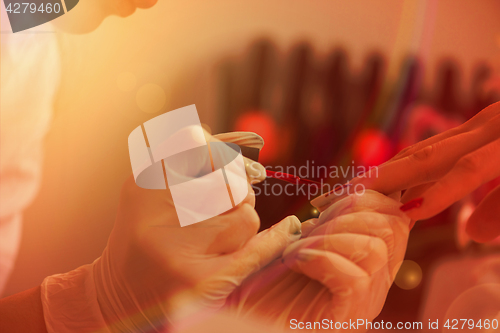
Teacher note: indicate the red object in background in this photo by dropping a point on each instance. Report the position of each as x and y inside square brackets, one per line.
[264, 125]
[423, 122]
[372, 147]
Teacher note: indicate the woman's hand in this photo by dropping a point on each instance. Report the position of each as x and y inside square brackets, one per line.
[341, 269]
[444, 168]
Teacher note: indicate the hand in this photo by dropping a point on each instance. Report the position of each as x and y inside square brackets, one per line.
[444, 168]
[341, 269]
[153, 270]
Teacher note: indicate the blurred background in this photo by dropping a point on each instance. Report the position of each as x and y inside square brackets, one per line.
[326, 81]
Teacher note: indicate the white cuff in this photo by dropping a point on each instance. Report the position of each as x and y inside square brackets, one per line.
[70, 302]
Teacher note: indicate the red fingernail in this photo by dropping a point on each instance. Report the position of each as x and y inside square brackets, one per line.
[415, 203]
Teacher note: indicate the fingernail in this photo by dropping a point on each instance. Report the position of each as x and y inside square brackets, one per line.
[255, 170]
[313, 222]
[295, 227]
[324, 201]
[415, 203]
[291, 250]
[305, 255]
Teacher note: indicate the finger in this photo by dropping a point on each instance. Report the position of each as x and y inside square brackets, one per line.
[250, 198]
[246, 140]
[226, 153]
[395, 196]
[322, 202]
[484, 223]
[393, 230]
[229, 271]
[349, 290]
[232, 229]
[354, 295]
[368, 200]
[430, 163]
[226, 158]
[308, 226]
[255, 171]
[190, 163]
[367, 252]
[415, 192]
[470, 172]
[427, 142]
[360, 196]
[329, 268]
[263, 248]
[473, 123]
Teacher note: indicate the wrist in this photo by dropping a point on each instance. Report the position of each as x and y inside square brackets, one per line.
[70, 304]
[122, 307]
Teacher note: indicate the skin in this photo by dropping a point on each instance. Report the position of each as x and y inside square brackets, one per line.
[445, 168]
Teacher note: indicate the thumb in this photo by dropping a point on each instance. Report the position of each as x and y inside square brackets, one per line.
[265, 247]
[258, 252]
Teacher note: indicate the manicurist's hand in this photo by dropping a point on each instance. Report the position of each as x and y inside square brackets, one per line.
[155, 274]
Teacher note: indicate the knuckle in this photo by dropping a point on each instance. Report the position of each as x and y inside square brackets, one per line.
[468, 164]
[246, 218]
[379, 245]
[254, 227]
[423, 162]
[424, 154]
[251, 218]
[403, 152]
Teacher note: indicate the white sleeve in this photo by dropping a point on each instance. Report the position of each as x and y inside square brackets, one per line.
[30, 74]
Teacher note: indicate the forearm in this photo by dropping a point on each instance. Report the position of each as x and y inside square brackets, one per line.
[22, 312]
